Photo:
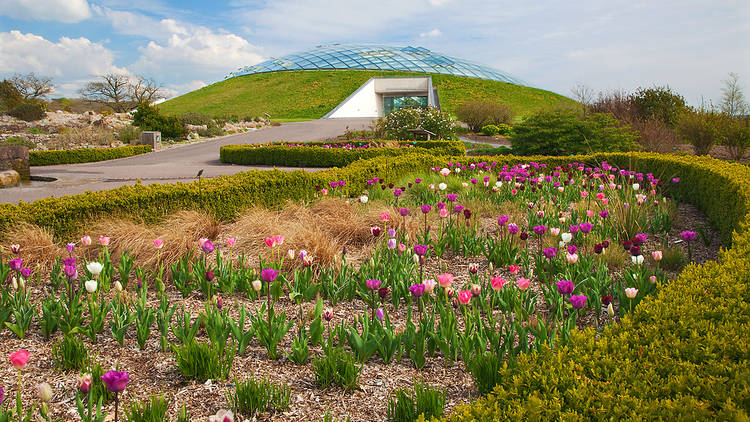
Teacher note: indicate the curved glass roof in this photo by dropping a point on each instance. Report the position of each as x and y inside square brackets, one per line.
[377, 57]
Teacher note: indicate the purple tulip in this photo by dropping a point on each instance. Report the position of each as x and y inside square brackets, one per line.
[116, 381]
[687, 236]
[16, 264]
[70, 247]
[641, 237]
[451, 197]
[574, 229]
[503, 220]
[269, 275]
[539, 230]
[675, 180]
[391, 243]
[383, 292]
[420, 250]
[210, 275]
[458, 208]
[604, 214]
[403, 211]
[549, 253]
[426, 209]
[586, 227]
[417, 180]
[441, 205]
[373, 284]
[207, 246]
[397, 193]
[379, 314]
[2, 395]
[512, 228]
[417, 290]
[572, 249]
[69, 261]
[578, 301]
[391, 232]
[25, 272]
[565, 287]
[71, 272]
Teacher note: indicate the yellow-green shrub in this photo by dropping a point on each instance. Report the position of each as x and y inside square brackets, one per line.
[313, 154]
[84, 155]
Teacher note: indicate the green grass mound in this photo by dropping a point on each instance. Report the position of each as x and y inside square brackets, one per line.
[311, 94]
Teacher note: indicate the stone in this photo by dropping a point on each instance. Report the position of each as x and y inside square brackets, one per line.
[15, 158]
[9, 177]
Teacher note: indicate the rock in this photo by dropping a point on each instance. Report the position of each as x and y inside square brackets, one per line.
[9, 177]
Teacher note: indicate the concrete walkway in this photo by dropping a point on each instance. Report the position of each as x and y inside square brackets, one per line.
[176, 164]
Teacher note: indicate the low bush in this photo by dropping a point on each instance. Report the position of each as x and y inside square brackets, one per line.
[408, 406]
[701, 129]
[490, 130]
[153, 410]
[566, 133]
[70, 138]
[128, 134]
[399, 123]
[479, 114]
[28, 111]
[149, 118]
[504, 130]
[18, 141]
[202, 361]
[196, 119]
[84, 155]
[337, 367]
[322, 155]
[501, 150]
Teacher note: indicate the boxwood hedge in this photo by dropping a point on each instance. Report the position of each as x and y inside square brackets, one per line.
[84, 155]
[315, 154]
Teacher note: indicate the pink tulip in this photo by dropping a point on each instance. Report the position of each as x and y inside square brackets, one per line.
[444, 212]
[401, 247]
[231, 241]
[657, 255]
[449, 292]
[652, 279]
[86, 240]
[476, 289]
[497, 283]
[600, 196]
[429, 286]
[589, 213]
[605, 201]
[84, 383]
[104, 240]
[513, 269]
[523, 283]
[270, 242]
[324, 191]
[572, 258]
[584, 194]
[278, 240]
[19, 359]
[464, 296]
[385, 216]
[201, 241]
[158, 243]
[445, 280]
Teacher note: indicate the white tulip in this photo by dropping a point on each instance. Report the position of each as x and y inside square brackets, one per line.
[94, 268]
[567, 237]
[499, 184]
[442, 186]
[363, 199]
[118, 286]
[638, 260]
[636, 186]
[257, 285]
[91, 286]
[610, 310]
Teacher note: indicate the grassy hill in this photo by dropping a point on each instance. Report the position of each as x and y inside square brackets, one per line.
[313, 93]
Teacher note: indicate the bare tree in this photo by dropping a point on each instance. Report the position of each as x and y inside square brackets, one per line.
[31, 86]
[584, 95]
[733, 99]
[113, 90]
[145, 90]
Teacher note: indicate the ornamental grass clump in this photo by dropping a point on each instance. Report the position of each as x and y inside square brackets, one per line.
[202, 361]
[252, 396]
[423, 401]
[152, 410]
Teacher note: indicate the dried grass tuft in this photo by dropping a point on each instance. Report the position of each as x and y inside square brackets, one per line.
[37, 245]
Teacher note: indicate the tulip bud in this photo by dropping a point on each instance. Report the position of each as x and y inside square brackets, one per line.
[84, 383]
[327, 314]
[45, 392]
[291, 254]
[118, 286]
[610, 310]
[257, 285]
[91, 286]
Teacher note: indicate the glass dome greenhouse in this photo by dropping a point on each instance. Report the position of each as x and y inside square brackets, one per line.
[377, 57]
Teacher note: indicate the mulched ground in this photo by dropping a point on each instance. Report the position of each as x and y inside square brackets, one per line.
[153, 371]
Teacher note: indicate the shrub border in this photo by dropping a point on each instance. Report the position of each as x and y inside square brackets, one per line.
[84, 155]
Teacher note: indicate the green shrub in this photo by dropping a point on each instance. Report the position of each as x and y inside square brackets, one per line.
[490, 130]
[658, 103]
[70, 354]
[84, 155]
[17, 140]
[252, 396]
[504, 129]
[315, 155]
[478, 114]
[736, 136]
[701, 129]
[202, 361]
[154, 410]
[566, 133]
[407, 405]
[673, 259]
[37, 131]
[10, 97]
[501, 150]
[398, 123]
[149, 118]
[28, 111]
[485, 370]
[337, 367]
[128, 134]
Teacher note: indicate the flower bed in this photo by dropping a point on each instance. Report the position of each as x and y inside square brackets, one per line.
[84, 155]
[327, 154]
[656, 354]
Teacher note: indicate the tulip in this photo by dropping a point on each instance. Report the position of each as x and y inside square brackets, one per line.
[444, 212]
[523, 283]
[158, 243]
[327, 314]
[269, 275]
[420, 250]
[637, 260]
[512, 268]
[84, 383]
[445, 280]
[375, 231]
[104, 240]
[44, 391]
[15, 264]
[230, 241]
[586, 227]
[610, 310]
[425, 209]
[566, 237]
[565, 287]
[118, 286]
[445, 172]
[554, 231]
[257, 285]
[688, 236]
[442, 186]
[222, 416]
[210, 275]
[539, 230]
[549, 253]
[278, 239]
[94, 268]
[578, 301]
[631, 292]
[429, 285]
[391, 244]
[373, 284]
[25, 272]
[324, 191]
[473, 268]
[417, 290]
[201, 241]
[383, 292]
[497, 283]
[16, 249]
[379, 314]
[652, 279]
[19, 359]
[464, 296]
[70, 247]
[91, 286]
[116, 381]
[86, 240]
[385, 216]
[476, 289]
[572, 258]
[363, 199]
[207, 246]
[401, 247]
[2, 395]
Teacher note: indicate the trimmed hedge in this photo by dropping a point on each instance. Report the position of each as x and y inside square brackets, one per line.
[313, 154]
[84, 155]
[683, 354]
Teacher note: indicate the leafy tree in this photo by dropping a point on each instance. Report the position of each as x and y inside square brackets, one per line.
[565, 132]
[9, 96]
[701, 128]
[148, 118]
[479, 114]
[658, 103]
[397, 124]
[735, 135]
[31, 86]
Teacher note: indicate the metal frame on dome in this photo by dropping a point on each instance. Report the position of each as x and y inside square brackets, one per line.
[377, 57]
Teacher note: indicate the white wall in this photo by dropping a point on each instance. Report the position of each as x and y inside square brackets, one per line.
[363, 103]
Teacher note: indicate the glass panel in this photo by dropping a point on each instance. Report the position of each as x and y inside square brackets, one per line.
[396, 103]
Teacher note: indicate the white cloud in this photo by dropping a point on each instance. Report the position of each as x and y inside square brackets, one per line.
[69, 61]
[431, 34]
[67, 11]
[179, 89]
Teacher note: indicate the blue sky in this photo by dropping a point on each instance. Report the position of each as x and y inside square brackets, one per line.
[689, 45]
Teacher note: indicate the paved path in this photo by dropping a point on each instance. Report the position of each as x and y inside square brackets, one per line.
[177, 164]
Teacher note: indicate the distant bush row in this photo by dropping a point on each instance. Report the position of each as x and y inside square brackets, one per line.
[84, 155]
